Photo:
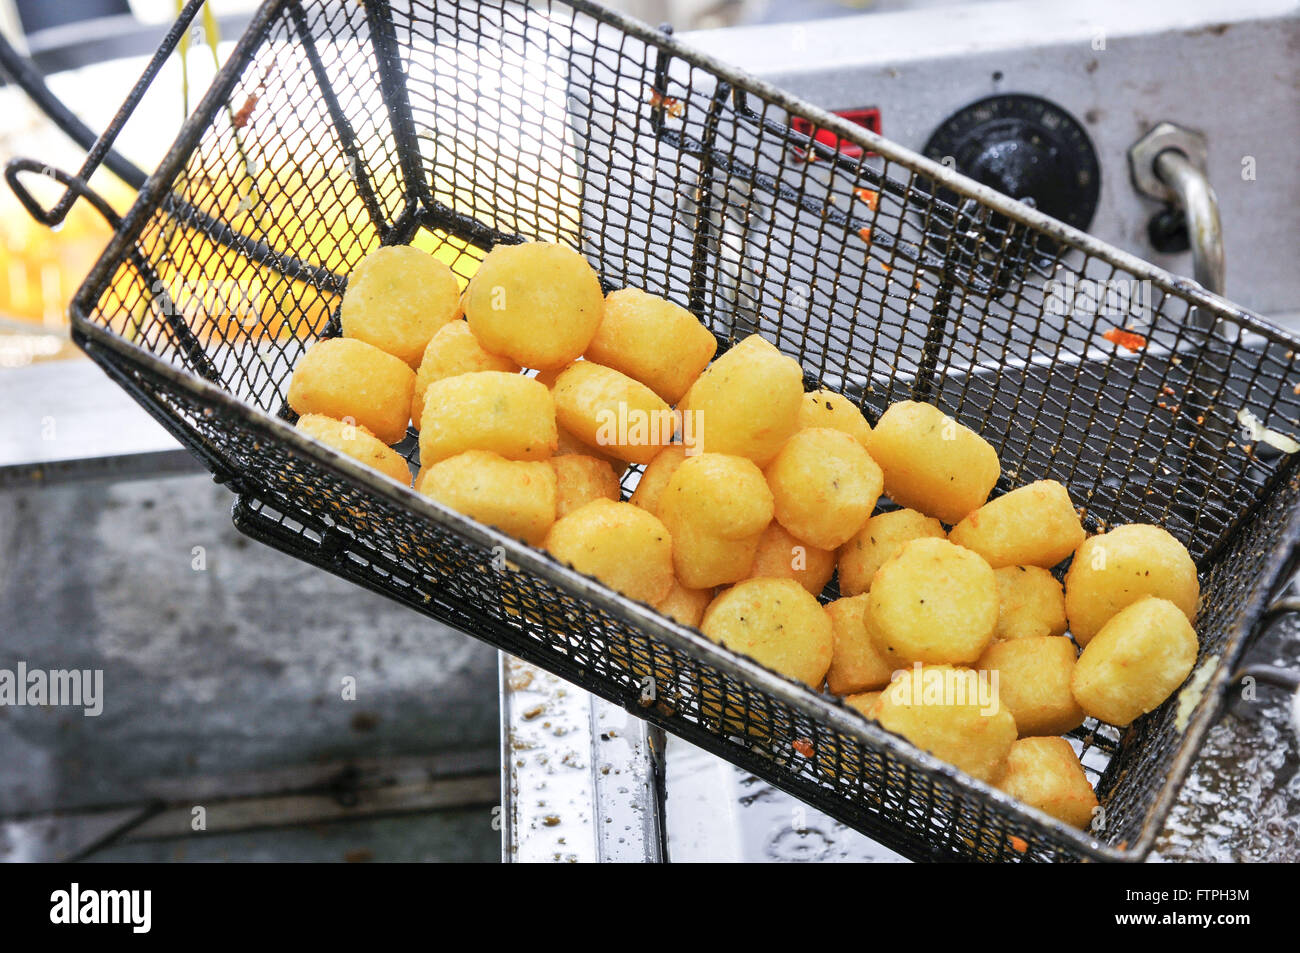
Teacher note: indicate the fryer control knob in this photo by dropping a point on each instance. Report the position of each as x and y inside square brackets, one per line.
[1027, 148]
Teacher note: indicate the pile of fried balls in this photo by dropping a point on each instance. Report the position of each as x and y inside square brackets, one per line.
[533, 392]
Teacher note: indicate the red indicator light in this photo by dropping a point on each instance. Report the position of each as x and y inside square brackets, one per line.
[866, 117]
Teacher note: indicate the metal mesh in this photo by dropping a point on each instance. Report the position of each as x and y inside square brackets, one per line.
[336, 127]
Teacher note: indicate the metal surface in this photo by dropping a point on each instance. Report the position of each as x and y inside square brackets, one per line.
[481, 123]
[1119, 66]
[1161, 138]
[578, 777]
[217, 684]
[76, 423]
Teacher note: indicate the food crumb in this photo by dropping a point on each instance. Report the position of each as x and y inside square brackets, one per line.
[1125, 339]
[870, 196]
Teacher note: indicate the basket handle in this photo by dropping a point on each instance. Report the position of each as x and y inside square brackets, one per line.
[99, 149]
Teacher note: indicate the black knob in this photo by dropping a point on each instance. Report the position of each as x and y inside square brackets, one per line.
[1027, 148]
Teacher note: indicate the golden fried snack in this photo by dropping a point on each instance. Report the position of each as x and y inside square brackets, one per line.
[358, 443]
[622, 545]
[397, 298]
[685, 605]
[1117, 568]
[580, 479]
[824, 485]
[865, 703]
[1138, 659]
[655, 477]
[856, 663]
[825, 408]
[933, 602]
[566, 444]
[452, 351]
[776, 623]
[705, 560]
[516, 496]
[1030, 603]
[716, 507]
[932, 463]
[613, 413]
[952, 713]
[781, 556]
[653, 341]
[1033, 525]
[747, 402]
[1045, 773]
[877, 541]
[509, 414]
[538, 304]
[351, 380]
[1034, 683]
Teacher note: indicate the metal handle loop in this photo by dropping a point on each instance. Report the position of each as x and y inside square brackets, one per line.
[100, 151]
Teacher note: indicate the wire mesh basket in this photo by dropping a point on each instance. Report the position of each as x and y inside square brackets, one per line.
[459, 124]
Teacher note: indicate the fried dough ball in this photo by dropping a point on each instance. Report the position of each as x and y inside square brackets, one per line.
[580, 479]
[685, 605]
[566, 444]
[878, 540]
[1034, 683]
[824, 485]
[1045, 773]
[509, 414]
[716, 507]
[622, 545]
[538, 304]
[613, 413]
[1033, 525]
[856, 664]
[517, 497]
[655, 477]
[746, 402]
[1117, 568]
[653, 341]
[358, 443]
[952, 713]
[865, 703]
[776, 623]
[397, 298]
[1030, 603]
[452, 351]
[348, 379]
[781, 556]
[1138, 659]
[933, 602]
[932, 463]
[825, 408]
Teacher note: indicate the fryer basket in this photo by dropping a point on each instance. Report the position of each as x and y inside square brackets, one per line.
[460, 124]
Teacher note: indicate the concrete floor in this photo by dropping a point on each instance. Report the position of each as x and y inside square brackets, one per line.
[220, 672]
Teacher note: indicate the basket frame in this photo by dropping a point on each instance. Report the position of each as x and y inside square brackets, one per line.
[123, 359]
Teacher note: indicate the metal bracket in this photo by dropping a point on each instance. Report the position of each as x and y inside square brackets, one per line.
[1163, 137]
